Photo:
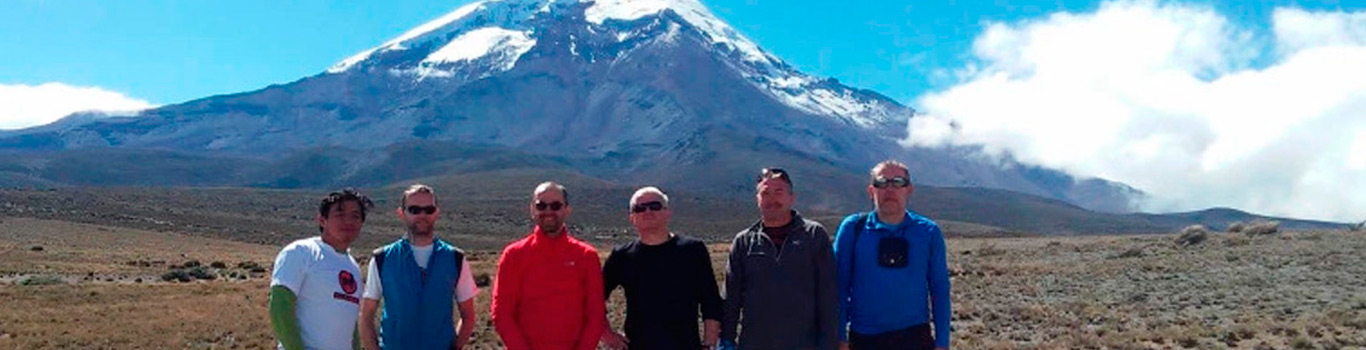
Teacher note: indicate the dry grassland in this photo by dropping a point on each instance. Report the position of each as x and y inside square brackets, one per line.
[1283, 291]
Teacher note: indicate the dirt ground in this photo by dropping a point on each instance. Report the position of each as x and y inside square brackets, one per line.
[99, 287]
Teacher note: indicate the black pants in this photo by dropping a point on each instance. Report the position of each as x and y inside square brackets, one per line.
[916, 337]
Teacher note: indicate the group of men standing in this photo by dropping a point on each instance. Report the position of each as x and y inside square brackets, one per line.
[881, 284]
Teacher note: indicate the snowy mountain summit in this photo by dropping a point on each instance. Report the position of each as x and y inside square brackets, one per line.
[655, 92]
[488, 37]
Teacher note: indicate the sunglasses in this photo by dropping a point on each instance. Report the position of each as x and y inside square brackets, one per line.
[771, 174]
[415, 210]
[553, 206]
[895, 182]
[651, 206]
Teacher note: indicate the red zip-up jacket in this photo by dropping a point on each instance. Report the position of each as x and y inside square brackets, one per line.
[547, 294]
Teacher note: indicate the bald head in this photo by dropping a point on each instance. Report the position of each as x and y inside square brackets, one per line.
[551, 186]
[550, 207]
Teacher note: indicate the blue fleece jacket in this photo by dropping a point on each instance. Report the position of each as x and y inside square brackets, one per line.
[879, 299]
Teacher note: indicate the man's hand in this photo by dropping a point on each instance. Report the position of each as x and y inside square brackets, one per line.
[614, 340]
[711, 333]
[844, 345]
[369, 334]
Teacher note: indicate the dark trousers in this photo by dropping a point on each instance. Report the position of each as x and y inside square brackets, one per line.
[916, 337]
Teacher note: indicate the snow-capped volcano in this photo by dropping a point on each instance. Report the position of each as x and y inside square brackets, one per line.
[640, 91]
[488, 37]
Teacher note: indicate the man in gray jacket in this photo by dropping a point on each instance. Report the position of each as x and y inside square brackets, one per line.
[780, 279]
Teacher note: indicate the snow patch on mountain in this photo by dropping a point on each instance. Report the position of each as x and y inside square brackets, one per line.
[349, 62]
[489, 36]
[766, 71]
[692, 11]
[464, 20]
[507, 44]
[431, 28]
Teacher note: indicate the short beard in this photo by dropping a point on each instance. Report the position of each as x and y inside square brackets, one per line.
[413, 231]
[551, 230]
[889, 208]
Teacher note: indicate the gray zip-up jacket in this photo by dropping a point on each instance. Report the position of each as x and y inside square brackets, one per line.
[782, 299]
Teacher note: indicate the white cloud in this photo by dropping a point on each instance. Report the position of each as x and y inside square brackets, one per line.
[1298, 30]
[1160, 96]
[31, 105]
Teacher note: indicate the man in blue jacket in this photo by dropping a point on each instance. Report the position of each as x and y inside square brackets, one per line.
[893, 271]
[421, 279]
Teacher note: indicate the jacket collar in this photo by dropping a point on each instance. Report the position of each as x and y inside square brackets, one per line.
[541, 236]
[796, 222]
[876, 224]
[407, 244]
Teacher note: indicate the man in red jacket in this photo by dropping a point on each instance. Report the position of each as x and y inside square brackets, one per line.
[547, 294]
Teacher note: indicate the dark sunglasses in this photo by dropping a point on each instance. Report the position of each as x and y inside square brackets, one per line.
[651, 206]
[896, 182]
[553, 206]
[415, 210]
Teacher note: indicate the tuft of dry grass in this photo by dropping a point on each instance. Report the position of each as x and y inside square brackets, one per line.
[1192, 235]
[1262, 228]
[1136, 252]
[1236, 241]
[1236, 227]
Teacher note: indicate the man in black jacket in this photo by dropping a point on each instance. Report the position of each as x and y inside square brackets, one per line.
[667, 278]
[780, 279]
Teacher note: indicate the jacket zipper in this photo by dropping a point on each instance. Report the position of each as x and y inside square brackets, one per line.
[777, 258]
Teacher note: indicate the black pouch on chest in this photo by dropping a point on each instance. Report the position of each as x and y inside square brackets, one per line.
[892, 252]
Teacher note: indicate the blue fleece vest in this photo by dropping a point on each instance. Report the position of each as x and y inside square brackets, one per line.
[417, 303]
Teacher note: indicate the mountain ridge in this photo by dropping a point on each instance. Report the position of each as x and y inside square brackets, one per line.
[650, 96]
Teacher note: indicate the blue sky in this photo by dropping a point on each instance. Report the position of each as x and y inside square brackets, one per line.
[169, 51]
[1255, 105]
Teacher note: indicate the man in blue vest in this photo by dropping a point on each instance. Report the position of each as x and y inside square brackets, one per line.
[421, 280]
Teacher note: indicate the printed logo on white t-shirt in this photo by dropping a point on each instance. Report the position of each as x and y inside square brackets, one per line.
[347, 281]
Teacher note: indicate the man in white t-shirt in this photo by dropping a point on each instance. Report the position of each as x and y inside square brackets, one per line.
[421, 279]
[315, 289]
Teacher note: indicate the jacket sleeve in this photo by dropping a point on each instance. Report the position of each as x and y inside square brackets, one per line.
[283, 319]
[507, 288]
[286, 281]
[611, 275]
[940, 303]
[735, 294]
[844, 240]
[594, 305]
[706, 284]
[827, 306]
